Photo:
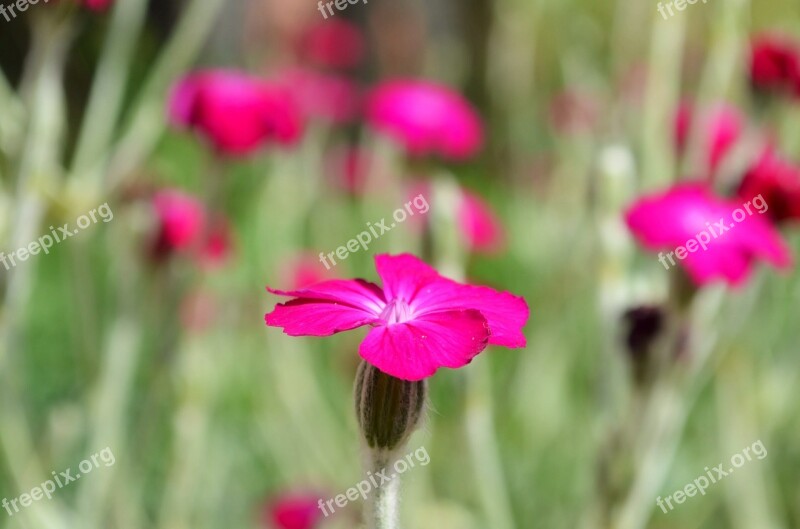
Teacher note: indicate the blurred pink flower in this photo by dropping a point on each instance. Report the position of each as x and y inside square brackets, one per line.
[426, 118]
[235, 112]
[420, 320]
[347, 168]
[482, 229]
[328, 97]
[720, 127]
[217, 245]
[775, 65]
[777, 181]
[665, 221]
[96, 5]
[416, 187]
[302, 270]
[198, 310]
[293, 511]
[632, 85]
[181, 221]
[335, 44]
[573, 112]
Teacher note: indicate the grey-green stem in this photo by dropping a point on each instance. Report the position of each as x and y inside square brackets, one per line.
[383, 503]
[388, 410]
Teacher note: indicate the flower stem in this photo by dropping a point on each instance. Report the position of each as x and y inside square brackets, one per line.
[484, 449]
[108, 86]
[384, 503]
[146, 122]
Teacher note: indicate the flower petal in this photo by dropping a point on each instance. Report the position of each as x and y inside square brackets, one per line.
[313, 317]
[356, 293]
[505, 313]
[404, 275]
[416, 349]
[407, 277]
[327, 308]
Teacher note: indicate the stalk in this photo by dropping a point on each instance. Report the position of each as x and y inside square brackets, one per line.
[383, 505]
[388, 410]
[484, 449]
[108, 86]
[147, 119]
[43, 99]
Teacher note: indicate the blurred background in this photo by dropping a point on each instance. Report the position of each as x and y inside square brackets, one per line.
[137, 335]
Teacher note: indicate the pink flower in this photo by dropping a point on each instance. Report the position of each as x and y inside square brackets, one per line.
[479, 227]
[236, 113]
[420, 320]
[426, 118]
[328, 97]
[775, 65]
[198, 311]
[92, 5]
[778, 182]
[293, 511]
[348, 168]
[720, 128]
[181, 221]
[303, 270]
[668, 220]
[573, 112]
[96, 5]
[217, 246]
[479, 224]
[335, 43]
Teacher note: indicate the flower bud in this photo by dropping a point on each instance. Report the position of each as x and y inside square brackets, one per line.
[643, 326]
[388, 409]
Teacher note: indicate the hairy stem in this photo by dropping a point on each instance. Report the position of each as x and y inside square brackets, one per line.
[383, 505]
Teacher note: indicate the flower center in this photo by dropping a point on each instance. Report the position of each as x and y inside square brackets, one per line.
[397, 311]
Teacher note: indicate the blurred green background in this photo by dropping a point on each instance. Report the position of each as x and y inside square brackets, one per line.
[211, 415]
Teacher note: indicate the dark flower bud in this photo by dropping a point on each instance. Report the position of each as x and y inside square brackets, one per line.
[643, 326]
[388, 409]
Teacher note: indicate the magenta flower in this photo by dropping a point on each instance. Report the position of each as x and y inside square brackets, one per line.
[347, 168]
[426, 118]
[720, 126]
[328, 97]
[420, 320]
[302, 270]
[92, 5]
[235, 112]
[573, 112]
[96, 5]
[217, 245]
[778, 181]
[333, 44]
[775, 65]
[198, 311]
[293, 511]
[721, 239]
[479, 224]
[181, 221]
[479, 228]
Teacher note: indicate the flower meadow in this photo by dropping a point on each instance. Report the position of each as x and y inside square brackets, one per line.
[582, 293]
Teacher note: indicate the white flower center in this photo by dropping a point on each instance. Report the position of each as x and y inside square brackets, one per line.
[397, 311]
